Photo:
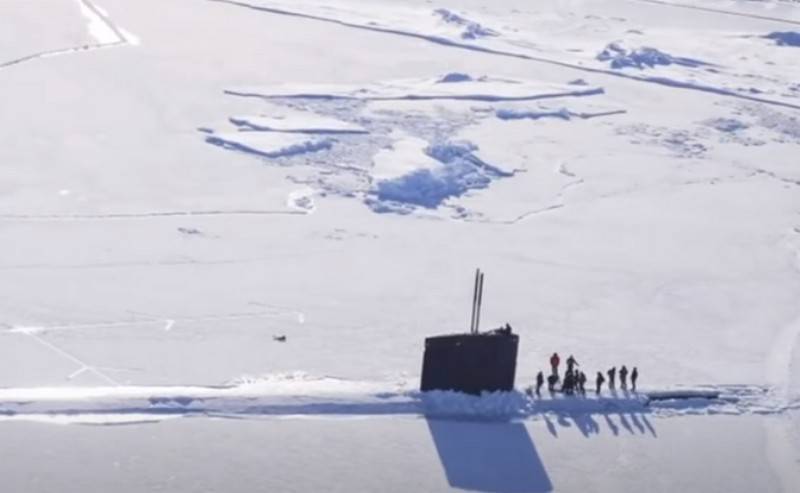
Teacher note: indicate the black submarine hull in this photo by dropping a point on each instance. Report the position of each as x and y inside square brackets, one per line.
[470, 363]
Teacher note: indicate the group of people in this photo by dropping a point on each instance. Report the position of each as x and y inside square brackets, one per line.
[575, 380]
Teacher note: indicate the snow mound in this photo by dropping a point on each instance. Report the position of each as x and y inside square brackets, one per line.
[269, 145]
[645, 57]
[460, 170]
[471, 29]
[786, 38]
[404, 156]
[455, 77]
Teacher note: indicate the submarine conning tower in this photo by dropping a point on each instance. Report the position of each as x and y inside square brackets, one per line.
[474, 362]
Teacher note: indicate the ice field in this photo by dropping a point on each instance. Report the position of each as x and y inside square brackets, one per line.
[186, 181]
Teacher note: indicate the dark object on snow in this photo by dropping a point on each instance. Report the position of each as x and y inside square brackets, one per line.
[612, 373]
[280, 338]
[634, 377]
[787, 38]
[599, 382]
[472, 363]
[539, 382]
[623, 377]
[190, 231]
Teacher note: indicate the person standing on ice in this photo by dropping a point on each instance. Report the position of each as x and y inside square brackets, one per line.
[551, 383]
[582, 382]
[599, 382]
[539, 383]
[623, 377]
[554, 362]
[569, 383]
[571, 363]
[634, 377]
[611, 374]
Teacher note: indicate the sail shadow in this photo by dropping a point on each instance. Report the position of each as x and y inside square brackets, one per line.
[489, 456]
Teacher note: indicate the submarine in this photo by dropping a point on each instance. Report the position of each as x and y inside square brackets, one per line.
[474, 362]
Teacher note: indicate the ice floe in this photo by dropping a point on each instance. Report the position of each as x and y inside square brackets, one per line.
[396, 141]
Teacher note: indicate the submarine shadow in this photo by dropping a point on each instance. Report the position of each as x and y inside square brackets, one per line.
[490, 456]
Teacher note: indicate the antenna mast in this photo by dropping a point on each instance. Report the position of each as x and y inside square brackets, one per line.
[480, 302]
[477, 298]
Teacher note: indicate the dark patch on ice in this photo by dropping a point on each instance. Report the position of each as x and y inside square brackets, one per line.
[727, 125]
[171, 401]
[205, 130]
[472, 30]
[684, 395]
[786, 38]
[644, 57]
[578, 82]
[460, 172]
[506, 114]
[190, 231]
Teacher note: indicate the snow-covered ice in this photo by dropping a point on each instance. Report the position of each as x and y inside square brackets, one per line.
[227, 227]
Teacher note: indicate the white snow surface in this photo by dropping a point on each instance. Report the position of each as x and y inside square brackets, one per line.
[229, 225]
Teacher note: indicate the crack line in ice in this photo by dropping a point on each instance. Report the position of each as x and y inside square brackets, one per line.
[420, 97]
[662, 81]
[83, 366]
[106, 33]
[719, 11]
[148, 215]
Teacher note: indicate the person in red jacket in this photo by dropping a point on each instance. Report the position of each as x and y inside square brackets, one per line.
[554, 362]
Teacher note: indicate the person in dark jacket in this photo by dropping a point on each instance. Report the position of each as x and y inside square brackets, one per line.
[599, 382]
[539, 383]
[634, 377]
[571, 363]
[612, 373]
[569, 383]
[582, 382]
[552, 380]
[623, 377]
[554, 362]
